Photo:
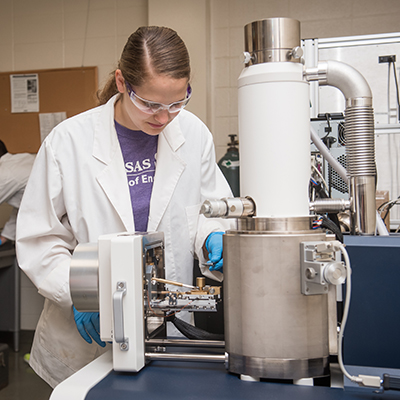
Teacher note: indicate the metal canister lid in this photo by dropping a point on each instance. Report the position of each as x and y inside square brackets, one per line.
[273, 40]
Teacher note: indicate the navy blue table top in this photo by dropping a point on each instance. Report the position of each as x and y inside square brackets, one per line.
[205, 381]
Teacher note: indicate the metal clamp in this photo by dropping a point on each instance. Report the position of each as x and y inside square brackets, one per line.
[319, 267]
[119, 334]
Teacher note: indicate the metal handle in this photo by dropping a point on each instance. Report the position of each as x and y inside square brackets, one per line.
[119, 335]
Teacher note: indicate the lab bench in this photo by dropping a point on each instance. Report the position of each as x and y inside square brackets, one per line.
[191, 380]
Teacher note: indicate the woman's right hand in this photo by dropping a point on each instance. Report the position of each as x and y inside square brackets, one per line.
[88, 324]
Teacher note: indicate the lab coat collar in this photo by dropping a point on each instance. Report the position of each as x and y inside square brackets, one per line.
[168, 171]
[173, 134]
[112, 178]
[105, 144]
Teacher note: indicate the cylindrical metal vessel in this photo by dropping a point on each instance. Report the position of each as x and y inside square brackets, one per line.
[274, 132]
[271, 329]
[84, 277]
[272, 39]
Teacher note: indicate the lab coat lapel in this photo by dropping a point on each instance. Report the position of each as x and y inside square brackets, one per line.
[169, 168]
[112, 178]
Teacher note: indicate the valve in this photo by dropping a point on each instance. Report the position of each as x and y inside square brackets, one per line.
[235, 207]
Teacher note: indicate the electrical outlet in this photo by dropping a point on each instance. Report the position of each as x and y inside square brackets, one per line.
[387, 59]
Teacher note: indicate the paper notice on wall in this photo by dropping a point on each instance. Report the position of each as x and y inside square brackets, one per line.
[24, 93]
[48, 121]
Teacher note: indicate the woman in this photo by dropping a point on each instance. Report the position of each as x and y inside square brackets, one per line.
[138, 162]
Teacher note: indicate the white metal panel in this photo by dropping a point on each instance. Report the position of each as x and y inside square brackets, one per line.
[127, 267]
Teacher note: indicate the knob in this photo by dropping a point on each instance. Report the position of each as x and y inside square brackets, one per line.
[296, 52]
[310, 273]
[247, 57]
[335, 273]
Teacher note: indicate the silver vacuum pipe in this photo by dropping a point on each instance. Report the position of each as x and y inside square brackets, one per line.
[185, 343]
[329, 205]
[360, 138]
[319, 144]
[186, 357]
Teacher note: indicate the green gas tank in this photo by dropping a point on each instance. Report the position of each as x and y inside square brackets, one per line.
[229, 165]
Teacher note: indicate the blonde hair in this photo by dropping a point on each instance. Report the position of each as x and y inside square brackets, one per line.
[151, 49]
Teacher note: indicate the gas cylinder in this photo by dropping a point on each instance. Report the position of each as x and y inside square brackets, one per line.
[229, 165]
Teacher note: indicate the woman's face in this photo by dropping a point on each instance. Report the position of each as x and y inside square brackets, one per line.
[159, 88]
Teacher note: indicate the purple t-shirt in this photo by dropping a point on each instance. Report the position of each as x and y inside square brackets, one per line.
[139, 151]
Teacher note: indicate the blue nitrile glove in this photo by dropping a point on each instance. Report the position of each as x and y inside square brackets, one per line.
[88, 324]
[214, 248]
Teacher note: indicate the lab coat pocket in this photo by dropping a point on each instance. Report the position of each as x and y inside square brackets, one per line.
[60, 337]
[192, 216]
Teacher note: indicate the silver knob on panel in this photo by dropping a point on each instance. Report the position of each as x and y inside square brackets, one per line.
[310, 273]
[296, 52]
[335, 273]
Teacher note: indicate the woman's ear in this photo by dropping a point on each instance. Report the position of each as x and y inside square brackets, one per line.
[120, 81]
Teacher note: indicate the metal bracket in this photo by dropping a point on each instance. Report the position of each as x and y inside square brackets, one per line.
[319, 268]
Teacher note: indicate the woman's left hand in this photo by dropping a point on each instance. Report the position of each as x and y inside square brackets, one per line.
[214, 248]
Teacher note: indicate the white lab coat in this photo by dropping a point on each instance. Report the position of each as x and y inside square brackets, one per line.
[14, 173]
[78, 191]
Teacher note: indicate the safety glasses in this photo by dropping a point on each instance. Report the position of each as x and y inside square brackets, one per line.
[151, 107]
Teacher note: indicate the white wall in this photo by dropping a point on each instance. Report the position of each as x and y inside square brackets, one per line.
[42, 34]
[190, 19]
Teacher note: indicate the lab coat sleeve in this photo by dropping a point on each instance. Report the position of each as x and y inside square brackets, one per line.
[213, 186]
[10, 226]
[45, 240]
[9, 185]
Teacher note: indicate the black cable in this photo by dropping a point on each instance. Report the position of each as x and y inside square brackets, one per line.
[389, 208]
[321, 191]
[328, 143]
[329, 129]
[330, 225]
[397, 90]
[334, 218]
[192, 332]
[389, 204]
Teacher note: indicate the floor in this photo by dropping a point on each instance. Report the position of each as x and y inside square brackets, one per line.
[23, 383]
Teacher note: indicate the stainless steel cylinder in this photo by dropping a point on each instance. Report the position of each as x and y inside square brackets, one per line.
[363, 213]
[273, 39]
[271, 329]
[84, 277]
[255, 225]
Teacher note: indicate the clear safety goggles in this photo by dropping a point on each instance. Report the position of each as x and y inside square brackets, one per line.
[152, 107]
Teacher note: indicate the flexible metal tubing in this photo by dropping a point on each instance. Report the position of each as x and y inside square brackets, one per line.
[360, 141]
